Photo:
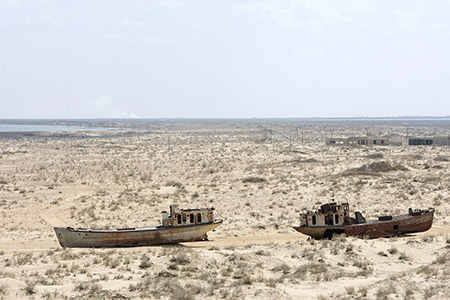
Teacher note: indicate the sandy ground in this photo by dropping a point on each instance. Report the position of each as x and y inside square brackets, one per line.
[126, 177]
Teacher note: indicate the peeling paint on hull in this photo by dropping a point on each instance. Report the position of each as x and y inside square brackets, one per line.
[399, 225]
[86, 238]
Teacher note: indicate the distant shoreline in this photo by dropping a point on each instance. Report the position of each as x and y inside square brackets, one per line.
[402, 118]
[79, 125]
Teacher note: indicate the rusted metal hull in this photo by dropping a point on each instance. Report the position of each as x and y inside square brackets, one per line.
[397, 226]
[85, 238]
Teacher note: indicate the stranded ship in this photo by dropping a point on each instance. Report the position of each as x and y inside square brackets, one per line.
[180, 225]
[334, 218]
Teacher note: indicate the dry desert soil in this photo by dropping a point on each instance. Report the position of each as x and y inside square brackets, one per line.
[258, 175]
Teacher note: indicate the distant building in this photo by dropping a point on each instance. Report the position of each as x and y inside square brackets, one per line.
[354, 141]
[382, 141]
[368, 141]
[336, 141]
[428, 141]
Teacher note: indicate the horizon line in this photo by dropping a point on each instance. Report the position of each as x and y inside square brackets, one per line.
[233, 118]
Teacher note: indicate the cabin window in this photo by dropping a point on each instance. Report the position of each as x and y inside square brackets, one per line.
[329, 219]
[336, 219]
[314, 220]
[395, 227]
[184, 218]
[191, 218]
[179, 219]
[199, 218]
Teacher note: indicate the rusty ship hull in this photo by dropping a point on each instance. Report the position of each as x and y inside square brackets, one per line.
[131, 237]
[398, 225]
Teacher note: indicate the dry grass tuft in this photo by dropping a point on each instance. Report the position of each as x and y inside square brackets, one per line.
[375, 156]
[253, 179]
[180, 259]
[145, 262]
[4, 290]
[30, 288]
[100, 294]
[442, 158]
[375, 168]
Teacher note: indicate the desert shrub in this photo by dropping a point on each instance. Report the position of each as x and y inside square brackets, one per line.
[362, 264]
[30, 288]
[427, 270]
[145, 262]
[299, 160]
[24, 259]
[4, 290]
[67, 254]
[246, 279]
[309, 253]
[441, 259]
[53, 295]
[253, 179]
[87, 286]
[283, 268]
[384, 292]
[271, 282]
[166, 274]
[312, 268]
[403, 256]
[182, 294]
[181, 259]
[174, 184]
[427, 238]
[375, 155]
[190, 268]
[442, 158]
[429, 292]
[375, 168]
[262, 253]
[350, 290]
[363, 291]
[98, 294]
[226, 272]
[392, 250]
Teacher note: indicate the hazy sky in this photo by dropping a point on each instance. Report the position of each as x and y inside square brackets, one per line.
[153, 59]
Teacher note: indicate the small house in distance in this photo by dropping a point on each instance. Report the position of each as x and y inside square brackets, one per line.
[428, 141]
[357, 141]
[336, 142]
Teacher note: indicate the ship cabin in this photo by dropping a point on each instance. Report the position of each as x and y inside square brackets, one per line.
[185, 217]
[330, 214]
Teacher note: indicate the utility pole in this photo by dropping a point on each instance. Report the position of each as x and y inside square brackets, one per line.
[407, 134]
[169, 149]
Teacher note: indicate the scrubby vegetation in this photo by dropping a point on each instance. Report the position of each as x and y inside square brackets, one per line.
[127, 177]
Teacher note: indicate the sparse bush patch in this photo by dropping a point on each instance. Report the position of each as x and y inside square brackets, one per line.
[253, 179]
